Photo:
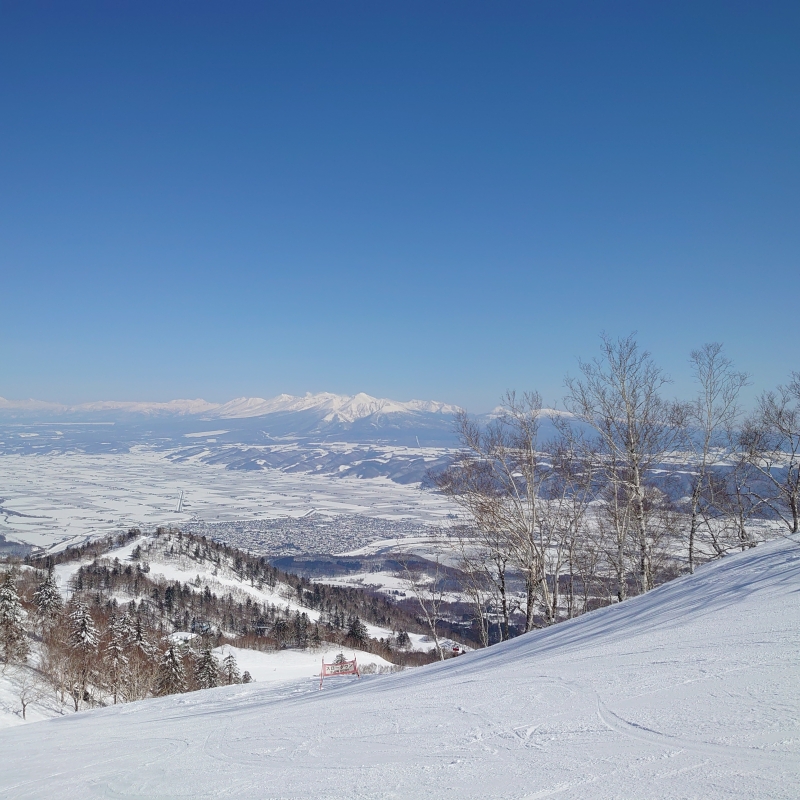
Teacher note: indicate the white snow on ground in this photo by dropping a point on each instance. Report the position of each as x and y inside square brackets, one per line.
[299, 666]
[293, 670]
[396, 585]
[382, 581]
[437, 545]
[69, 497]
[690, 691]
[43, 706]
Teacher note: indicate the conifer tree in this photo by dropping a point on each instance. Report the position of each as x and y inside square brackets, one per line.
[128, 628]
[136, 636]
[83, 636]
[207, 672]
[116, 661]
[83, 640]
[143, 657]
[13, 644]
[230, 669]
[357, 632]
[171, 673]
[48, 601]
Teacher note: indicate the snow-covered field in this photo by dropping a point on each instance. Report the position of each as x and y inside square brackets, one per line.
[43, 706]
[690, 691]
[52, 498]
[297, 666]
[293, 670]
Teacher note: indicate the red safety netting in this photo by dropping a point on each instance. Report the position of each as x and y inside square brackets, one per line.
[338, 667]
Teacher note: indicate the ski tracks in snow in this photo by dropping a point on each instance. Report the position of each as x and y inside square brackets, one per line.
[643, 734]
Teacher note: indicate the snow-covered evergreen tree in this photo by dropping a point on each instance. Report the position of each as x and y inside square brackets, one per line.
[230, 669]
[136, 636]
[207, 672]
[48, 601]
[357, 631]
[13, 643]
[114, 658]
[83, 640]
[143, 656]
[171, 673]
[83, 635]
[127, 625]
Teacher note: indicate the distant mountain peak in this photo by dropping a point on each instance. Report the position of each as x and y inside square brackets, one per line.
[329, 406]
[333, 407]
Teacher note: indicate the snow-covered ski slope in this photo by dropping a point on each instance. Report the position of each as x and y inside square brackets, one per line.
[690, 691]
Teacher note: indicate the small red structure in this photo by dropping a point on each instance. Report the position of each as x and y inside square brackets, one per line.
[339, 667]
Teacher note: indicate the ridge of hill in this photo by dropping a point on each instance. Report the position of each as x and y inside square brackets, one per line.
[688, 691]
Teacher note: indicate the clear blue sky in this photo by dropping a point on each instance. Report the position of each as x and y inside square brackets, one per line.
[438, 200]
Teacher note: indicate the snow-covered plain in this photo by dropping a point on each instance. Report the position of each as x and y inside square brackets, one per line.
[690, 691]
[53, 497]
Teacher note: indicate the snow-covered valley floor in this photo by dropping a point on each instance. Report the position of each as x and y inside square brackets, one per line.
[56, 497]
[690, 691]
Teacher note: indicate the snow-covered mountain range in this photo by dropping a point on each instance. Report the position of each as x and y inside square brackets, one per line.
[328, 406]
[331, 407]
[344, 435]
[358, 418]
[285, 432]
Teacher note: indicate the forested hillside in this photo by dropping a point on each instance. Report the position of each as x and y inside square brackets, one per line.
[126, 618]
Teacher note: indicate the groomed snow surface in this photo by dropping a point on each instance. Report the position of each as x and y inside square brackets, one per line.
[690, 691]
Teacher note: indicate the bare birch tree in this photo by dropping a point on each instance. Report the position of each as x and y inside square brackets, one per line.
[428, 590]
[619, 398]
[731, 500]
[498, 478]
[569, 492]
[707, 432]
[771, 438]
[476, 581]
[31, 687]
